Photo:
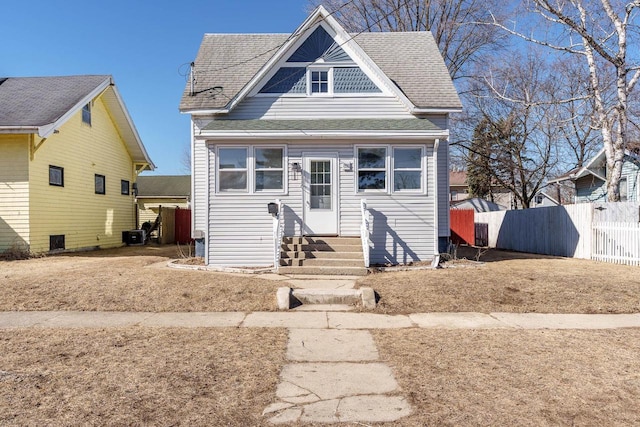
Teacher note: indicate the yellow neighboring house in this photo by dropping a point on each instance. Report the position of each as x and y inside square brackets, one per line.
[69, 156]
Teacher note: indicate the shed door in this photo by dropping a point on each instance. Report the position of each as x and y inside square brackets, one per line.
[320, 195]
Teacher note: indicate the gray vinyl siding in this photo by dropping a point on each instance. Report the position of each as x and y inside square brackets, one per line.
[443, 189]
[199, 196]
[240, 228]
[312, 107]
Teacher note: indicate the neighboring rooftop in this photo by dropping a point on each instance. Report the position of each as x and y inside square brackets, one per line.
[39, 101]
[164, 186]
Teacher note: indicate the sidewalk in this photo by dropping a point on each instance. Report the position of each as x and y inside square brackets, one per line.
[315, 320]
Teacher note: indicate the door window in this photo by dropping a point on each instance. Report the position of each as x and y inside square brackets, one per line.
[320, 184]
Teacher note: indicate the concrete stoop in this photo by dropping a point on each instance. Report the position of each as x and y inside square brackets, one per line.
[335, 376]
[289, 298]
[322, 256]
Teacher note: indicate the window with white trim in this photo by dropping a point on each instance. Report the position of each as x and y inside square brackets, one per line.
[232, 169]
[372, 168]
[319, 80]
[269, 169]
[407, 169]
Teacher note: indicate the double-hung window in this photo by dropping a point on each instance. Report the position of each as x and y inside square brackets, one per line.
[372, 168]
[407, 169]
[269, 169]
[232, 169]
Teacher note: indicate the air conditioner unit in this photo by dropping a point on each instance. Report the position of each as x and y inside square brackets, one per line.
[135, 237]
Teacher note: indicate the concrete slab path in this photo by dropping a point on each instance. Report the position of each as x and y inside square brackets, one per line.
[335, 376]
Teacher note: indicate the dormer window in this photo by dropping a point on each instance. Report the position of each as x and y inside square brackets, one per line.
[86, 114]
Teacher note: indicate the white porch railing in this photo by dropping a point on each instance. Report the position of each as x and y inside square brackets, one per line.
[616, 242]
[278, 233]
[364, 230]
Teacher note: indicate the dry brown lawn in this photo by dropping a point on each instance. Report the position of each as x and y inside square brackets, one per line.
[516, 378]
[127, 279]
[510, 282]
[227, 376]
[123, 377]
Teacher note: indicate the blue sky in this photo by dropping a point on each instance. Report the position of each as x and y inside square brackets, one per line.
[142, 43]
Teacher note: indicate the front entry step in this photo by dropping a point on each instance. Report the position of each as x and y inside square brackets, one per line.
[339, 256]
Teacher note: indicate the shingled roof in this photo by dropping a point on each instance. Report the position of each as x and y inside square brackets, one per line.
[40, 105]
[39, 101]
[410, 59]
[164, 186]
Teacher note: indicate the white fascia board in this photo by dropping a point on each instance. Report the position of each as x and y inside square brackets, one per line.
[417, 110]
[46, 130]
[323, 135]
[205, 112]
[132, 127]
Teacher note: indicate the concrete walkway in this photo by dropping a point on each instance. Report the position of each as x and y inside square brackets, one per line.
[315, 320]
[335, 376]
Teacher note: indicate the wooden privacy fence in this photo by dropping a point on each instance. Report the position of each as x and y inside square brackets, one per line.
[575, 231]
[616, 242]
[462, 226]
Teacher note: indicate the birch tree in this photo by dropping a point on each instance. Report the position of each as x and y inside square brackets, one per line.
[453, 23]
[605, 34]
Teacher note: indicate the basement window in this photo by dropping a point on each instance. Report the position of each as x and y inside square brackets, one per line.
[56, 242]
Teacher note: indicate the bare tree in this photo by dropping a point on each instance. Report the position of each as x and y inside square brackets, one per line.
[185, 158]
[600, 32]
[453, 23]
[513, 143]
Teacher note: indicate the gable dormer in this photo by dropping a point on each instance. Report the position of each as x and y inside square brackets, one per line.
[318, 66]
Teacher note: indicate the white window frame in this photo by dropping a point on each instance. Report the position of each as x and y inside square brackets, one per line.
[422, 189]
[87, 113]
[320, 68]
[251, 171]
[247, 169]
[626, 184]
[284, 168]
[357, 169]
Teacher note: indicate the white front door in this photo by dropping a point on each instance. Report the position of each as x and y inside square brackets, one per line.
[320, 194]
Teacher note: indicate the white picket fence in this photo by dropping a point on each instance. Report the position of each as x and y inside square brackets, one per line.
[616, 242]
[605, 232]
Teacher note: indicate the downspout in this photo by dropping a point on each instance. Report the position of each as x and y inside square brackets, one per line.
[436, 248]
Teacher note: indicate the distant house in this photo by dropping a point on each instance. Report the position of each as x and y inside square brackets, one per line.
[458, 187]
[153, 191]
[69, 157]
[543, 200]
[590, 180]
[320, 121]
[477, 204]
